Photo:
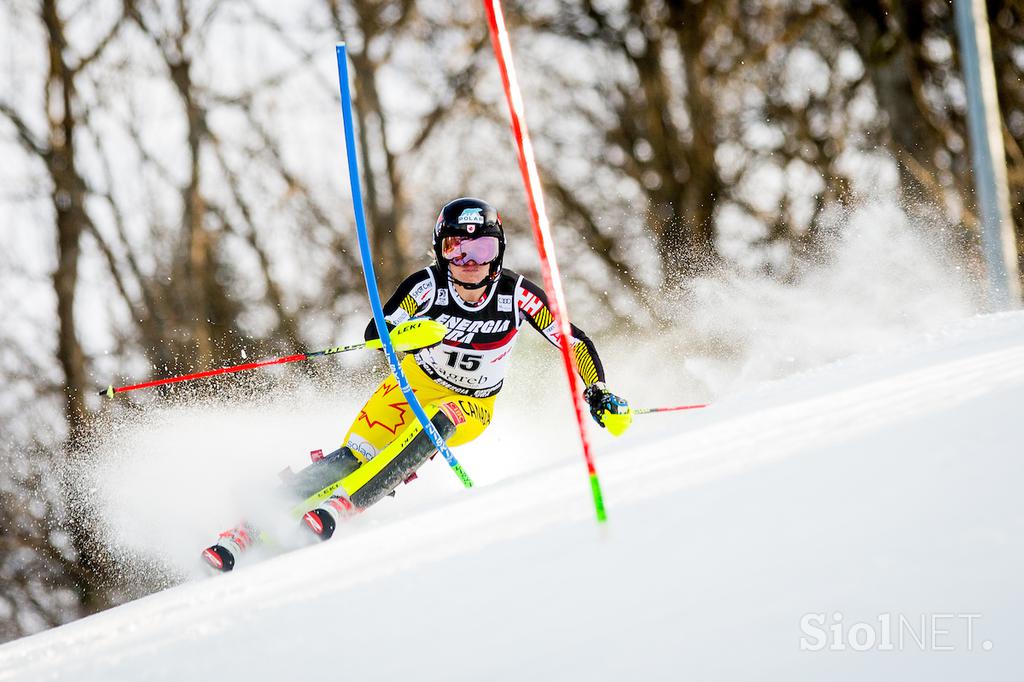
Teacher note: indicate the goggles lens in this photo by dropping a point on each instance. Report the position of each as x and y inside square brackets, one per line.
[463, 250]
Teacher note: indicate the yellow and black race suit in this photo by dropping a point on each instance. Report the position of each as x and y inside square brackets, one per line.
[463, 374]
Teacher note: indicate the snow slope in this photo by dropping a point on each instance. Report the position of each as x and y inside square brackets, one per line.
[882, 484]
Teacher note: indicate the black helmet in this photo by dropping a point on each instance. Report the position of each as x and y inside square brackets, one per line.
[469, 217]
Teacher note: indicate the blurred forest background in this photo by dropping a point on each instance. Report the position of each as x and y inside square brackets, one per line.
[172, 187]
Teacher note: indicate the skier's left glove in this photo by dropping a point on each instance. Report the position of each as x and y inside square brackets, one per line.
[414, 334]
[608, 410]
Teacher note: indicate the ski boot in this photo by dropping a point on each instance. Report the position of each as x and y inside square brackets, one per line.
[324, 519]
[230, 545]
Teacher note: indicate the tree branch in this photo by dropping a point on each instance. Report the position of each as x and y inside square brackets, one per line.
[25, 135]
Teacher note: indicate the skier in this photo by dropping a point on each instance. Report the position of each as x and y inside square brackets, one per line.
[481, 306]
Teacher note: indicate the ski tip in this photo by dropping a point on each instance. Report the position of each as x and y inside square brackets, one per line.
[218, 558]
[108, 391]
[320, 522]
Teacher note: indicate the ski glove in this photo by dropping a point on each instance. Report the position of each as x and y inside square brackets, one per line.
[608, 410]
[419, 332]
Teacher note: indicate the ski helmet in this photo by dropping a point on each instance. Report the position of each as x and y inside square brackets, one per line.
[469, 218]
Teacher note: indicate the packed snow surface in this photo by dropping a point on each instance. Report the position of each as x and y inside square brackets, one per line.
[858, 521]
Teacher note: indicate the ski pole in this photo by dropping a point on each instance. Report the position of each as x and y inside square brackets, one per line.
[110, 391]
[652, 410]
[410, 335]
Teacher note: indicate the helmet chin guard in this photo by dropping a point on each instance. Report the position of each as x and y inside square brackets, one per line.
[469, 217]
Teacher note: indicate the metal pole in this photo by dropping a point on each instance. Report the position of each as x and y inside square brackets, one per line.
[987, 154]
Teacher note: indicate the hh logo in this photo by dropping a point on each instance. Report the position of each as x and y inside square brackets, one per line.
[504, 304]
[530, 303]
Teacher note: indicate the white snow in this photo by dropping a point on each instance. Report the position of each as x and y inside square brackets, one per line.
[882, 488]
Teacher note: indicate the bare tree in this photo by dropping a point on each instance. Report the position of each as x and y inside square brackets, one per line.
[652, 120]
[81, 562]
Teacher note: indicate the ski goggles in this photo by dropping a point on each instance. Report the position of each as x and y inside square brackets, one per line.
[462, 250]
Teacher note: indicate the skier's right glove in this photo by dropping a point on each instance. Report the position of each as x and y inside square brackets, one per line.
[608, 410]
[419, 332]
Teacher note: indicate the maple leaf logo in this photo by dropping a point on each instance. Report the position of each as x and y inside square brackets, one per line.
[402, 407]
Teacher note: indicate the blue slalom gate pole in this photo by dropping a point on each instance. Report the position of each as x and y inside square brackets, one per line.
[371, 278]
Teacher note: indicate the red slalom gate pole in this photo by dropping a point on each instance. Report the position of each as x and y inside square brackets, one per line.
[541, 230]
